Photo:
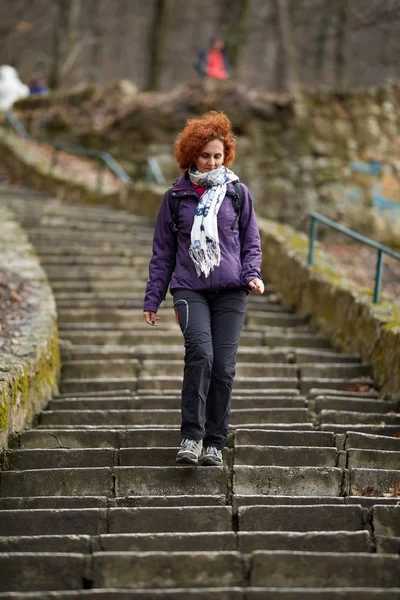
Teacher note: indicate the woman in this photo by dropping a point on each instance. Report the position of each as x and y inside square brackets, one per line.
[216, 264]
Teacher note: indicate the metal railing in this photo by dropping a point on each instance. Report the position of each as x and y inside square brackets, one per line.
[315, 217]
[104, 158]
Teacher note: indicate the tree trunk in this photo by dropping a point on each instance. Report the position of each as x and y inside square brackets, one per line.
[157, 43]
[342, 18]
[284, 65]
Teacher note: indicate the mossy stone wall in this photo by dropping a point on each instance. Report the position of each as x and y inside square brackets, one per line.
[29, 350]
[340, 308]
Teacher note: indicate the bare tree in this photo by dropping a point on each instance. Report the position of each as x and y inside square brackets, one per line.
[66, 45]
[157, 44]
[374, 12]
[342, 19]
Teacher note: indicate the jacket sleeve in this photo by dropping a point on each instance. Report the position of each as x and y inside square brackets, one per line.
[162, 261]
[250, 241]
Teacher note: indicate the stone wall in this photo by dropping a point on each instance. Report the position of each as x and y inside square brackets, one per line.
[29, 352]
[336, 305]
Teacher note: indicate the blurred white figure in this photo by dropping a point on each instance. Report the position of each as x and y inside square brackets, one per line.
[11, 87]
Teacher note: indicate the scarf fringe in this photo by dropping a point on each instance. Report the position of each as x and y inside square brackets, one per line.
[206, 262]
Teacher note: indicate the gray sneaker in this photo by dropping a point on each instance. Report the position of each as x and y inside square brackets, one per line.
[189, 452]
[212, 457]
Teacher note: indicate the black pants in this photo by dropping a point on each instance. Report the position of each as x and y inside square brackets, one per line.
[211, 324]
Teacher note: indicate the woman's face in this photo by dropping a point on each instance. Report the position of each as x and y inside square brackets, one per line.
[211, 157]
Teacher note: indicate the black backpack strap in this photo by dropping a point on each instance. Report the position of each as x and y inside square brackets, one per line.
[173, 201]
[237, 200]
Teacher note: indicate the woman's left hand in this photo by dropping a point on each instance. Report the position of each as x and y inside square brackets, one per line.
[257, 286]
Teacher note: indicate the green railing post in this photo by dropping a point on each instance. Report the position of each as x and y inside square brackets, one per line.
[313, 235]
[100, 176]
[54, 159]
[378, 277]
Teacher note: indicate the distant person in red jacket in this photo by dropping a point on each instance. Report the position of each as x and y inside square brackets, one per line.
[213, 61]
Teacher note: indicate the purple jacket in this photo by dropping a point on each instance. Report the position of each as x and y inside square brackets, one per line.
[240, 247]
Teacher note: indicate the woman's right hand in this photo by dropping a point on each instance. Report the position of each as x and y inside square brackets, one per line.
[150, 317]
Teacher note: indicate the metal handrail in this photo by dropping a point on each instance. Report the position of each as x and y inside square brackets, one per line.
[104, 158]
[315, 217]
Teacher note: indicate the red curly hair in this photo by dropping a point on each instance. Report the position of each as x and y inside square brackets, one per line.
[198, 132]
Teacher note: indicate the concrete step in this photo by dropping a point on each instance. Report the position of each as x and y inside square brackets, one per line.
[83, 272]
[336, 383]
[334, 370]
[386, 520]
[235, 593]
[372, 442]
[132, 367]
[292, 569]
[263, 318]
[311, 541]
[121, 481]
[325, 517]
[267, 437]
[372, 481]
[168, 417]
[353, 417]
[304, 355]
[95, 521]
[373, 459]
[292, 481]
[353, 404]
[25, 571]
[56, 502]
[138, 337]
[280, 456]
[167, 402]
[367, 393]
[94, 385]
[124, 285]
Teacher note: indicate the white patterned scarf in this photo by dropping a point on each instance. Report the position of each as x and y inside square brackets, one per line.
[204, 248]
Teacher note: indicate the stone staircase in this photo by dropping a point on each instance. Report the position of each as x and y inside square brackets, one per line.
[92, 504]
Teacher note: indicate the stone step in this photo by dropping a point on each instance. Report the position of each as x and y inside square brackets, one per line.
[246, 354]
[25, 571]
[60, 273]
[222, 594]
[124, 285]
[266, 437]
[94, 385]
[369, 394]
[131, 338]
[126, 542]
[132, 367]
[311, 541]
[325, 517]
[128, 481]
[280, 456]
[90, 237]
[135, 570]
[372, 442]
[168, 402]
[386, 520]
[29, 459]
[170, 383]
[373, 481]
[380, 430]
[167, 417]
[337, 383]
[292, 481]
[304, 355]
[263, 318]
[239, 500]
[353, 404]
[116, 520]
[373, 459]
[292, 569]
[50, 261]
[335, 370]
[352, 417]
[100, 368]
